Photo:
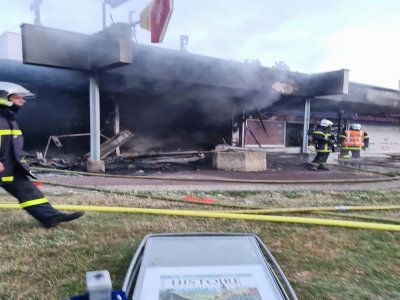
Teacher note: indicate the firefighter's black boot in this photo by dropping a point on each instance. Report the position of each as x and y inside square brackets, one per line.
[312, 167]
[323, 167]
[54, 221]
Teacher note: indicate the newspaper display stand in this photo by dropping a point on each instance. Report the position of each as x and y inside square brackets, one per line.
[205, 266]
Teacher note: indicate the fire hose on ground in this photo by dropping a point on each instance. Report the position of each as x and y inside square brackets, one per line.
[223, 215]
[254, 214]
[339, 208]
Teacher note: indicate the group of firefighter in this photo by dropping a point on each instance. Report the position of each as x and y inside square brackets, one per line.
[351, 141]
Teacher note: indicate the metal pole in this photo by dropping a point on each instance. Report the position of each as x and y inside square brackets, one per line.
[47, 148]
[243, 141]
[307, 109]
[94, 118]
[104, 15]
[116, 125]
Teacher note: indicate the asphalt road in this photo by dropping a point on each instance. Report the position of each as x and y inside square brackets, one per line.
[208, 180]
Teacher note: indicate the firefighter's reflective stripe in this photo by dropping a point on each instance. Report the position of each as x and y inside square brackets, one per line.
[326, 149]
[14, 132]
[5, 102]
[10, 132]
[320, 132]
[326, 145]
[33, 202]
[354, 138]
[7, 179]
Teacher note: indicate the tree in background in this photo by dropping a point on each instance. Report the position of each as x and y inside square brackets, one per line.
[256, 62]
[281, 65]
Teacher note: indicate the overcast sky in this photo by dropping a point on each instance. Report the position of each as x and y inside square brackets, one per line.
[308, 35]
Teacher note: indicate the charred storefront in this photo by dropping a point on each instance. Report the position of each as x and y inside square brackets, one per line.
[175, 101]
[377, 109]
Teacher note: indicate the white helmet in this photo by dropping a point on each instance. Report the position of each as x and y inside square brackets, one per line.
[9, 88]
[355, 126]
[325, 123]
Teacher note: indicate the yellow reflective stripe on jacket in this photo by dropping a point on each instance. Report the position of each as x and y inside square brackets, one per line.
[351, 148]
[326, 135]
[5, 131]
[319, 132]
[7, 179]
[33, 202]
[10, 132]
[13, 132]
[326, 148]
[5, 102]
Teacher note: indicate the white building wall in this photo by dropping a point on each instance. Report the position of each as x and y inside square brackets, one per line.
[383, 138]
[11, 46]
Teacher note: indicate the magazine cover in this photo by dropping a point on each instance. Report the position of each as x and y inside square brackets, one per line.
[208, 283]
[205, 287]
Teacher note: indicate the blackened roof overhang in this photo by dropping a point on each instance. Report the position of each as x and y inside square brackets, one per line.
[162, 71]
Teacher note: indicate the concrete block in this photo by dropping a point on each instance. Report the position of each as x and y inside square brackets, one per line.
[97, 166]
[240, 161]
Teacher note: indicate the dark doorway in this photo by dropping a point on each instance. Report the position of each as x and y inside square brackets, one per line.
[294, 134]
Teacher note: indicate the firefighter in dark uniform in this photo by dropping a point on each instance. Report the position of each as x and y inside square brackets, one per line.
[353, 141]
[324, 142]
[14, 172]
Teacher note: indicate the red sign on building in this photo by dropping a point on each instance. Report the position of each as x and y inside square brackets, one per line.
[160, 14]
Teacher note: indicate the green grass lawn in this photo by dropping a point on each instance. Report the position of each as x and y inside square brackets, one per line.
[320, 262]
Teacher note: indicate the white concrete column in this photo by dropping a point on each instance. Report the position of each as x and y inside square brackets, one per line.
[307, 112]
[94, 164]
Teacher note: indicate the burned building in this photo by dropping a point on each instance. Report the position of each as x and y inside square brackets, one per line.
[175, 100]
[375, 108]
